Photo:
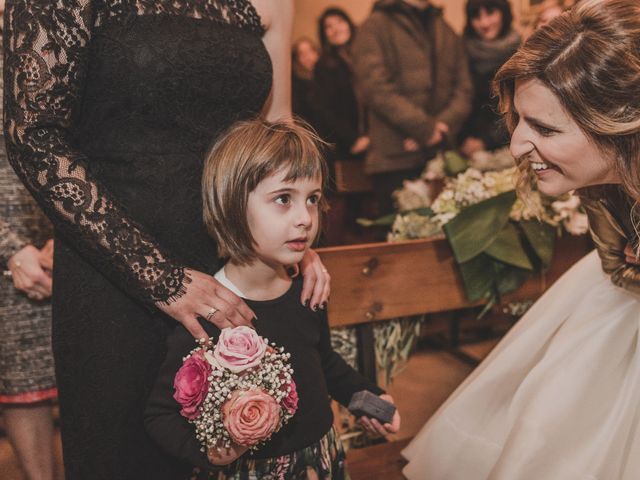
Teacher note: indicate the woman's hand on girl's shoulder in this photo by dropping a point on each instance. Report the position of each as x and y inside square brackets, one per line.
[316, 285]
[207, 298]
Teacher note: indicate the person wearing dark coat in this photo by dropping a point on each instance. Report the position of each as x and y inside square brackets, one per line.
[339, 117]
[414, 77]
[304, 56]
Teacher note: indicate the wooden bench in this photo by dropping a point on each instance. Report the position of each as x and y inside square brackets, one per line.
[380, 281]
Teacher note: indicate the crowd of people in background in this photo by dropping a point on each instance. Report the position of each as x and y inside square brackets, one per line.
[393, 92]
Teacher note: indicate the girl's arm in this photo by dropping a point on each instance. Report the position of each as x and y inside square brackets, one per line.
[162, 419]
[342, 380]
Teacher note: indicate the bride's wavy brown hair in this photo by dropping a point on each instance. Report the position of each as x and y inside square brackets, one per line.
[589, 57]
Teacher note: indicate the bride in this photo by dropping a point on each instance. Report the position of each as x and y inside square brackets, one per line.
[559, 397]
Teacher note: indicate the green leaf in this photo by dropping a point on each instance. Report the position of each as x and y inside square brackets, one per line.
[385, 221]
[510, 278]
[478, 276]
[454, 163]
[424, 211]
[542, 238]
[507, 248]
[476, 227]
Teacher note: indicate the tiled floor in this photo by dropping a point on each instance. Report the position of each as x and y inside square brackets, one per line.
[431, 375]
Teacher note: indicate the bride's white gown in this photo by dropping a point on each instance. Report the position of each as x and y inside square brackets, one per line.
[557, 399]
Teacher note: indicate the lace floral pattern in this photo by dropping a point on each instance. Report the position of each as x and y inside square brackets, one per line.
[45, 70]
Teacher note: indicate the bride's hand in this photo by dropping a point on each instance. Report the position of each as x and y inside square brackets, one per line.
[205, 297]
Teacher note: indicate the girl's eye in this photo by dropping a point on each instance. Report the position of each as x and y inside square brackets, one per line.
[283, 199]
[313, 199]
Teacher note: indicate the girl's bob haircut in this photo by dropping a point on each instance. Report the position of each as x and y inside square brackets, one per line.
[240, 159]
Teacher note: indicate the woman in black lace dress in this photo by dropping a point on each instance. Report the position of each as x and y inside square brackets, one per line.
[110, 107]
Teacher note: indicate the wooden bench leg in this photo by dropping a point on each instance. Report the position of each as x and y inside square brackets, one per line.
[366, 351]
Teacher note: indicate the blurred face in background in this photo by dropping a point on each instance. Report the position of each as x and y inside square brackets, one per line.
[548, 14]
[337, 30]
[306, 54]
[488, 23]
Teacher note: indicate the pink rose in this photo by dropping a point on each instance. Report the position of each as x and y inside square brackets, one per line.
[239, 348]
[290, 402]
[191, 384]
[250, 416]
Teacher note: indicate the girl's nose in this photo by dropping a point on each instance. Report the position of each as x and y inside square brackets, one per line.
[304, 217]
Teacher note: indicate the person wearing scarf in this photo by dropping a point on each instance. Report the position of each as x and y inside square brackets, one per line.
[489, 40]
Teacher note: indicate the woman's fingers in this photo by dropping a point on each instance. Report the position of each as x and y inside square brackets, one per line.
[206, 298]
[214, 315]
[316, 281]
[194, 328]
[233, 307]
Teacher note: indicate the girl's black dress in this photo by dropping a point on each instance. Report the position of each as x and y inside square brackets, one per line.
[110, 108]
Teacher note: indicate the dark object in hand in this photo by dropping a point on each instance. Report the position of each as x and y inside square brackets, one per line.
[367, 404]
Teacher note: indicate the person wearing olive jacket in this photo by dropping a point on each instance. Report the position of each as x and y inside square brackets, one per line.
[414, 77]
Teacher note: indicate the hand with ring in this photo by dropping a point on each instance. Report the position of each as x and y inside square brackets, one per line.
[28, 274]
[206, 298]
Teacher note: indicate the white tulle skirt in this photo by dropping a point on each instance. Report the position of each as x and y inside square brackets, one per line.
[557, 399]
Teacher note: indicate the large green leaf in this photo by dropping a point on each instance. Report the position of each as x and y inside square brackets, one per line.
[507, 248]
[478, 276]
[509, 278]
[454, 163]
[542, 238]
[476, 227]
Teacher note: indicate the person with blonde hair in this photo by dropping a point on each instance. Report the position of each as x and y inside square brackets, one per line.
[559, 396]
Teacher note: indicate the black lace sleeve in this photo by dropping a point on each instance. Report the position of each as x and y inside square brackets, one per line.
[46, 46]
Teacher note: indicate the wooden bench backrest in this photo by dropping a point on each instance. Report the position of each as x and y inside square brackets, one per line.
[379, 281]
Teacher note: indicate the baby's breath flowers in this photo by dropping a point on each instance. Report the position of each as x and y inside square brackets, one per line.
[239, 391]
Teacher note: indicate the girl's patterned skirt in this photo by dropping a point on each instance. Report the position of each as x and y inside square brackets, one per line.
[324, 460]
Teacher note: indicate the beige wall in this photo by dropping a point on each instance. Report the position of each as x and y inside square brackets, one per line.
[307, 12]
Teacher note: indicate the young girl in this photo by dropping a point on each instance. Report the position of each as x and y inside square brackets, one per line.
[262, 192]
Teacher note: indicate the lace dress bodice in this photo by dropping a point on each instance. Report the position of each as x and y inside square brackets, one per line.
[110, 107]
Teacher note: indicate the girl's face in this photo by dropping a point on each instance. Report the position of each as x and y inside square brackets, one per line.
[307, 55]
[337, 30]
[488, 23]
[283, 218]
[546, 136]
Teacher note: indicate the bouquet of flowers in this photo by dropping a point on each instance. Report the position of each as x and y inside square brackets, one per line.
[236, 393]
[497, 239]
